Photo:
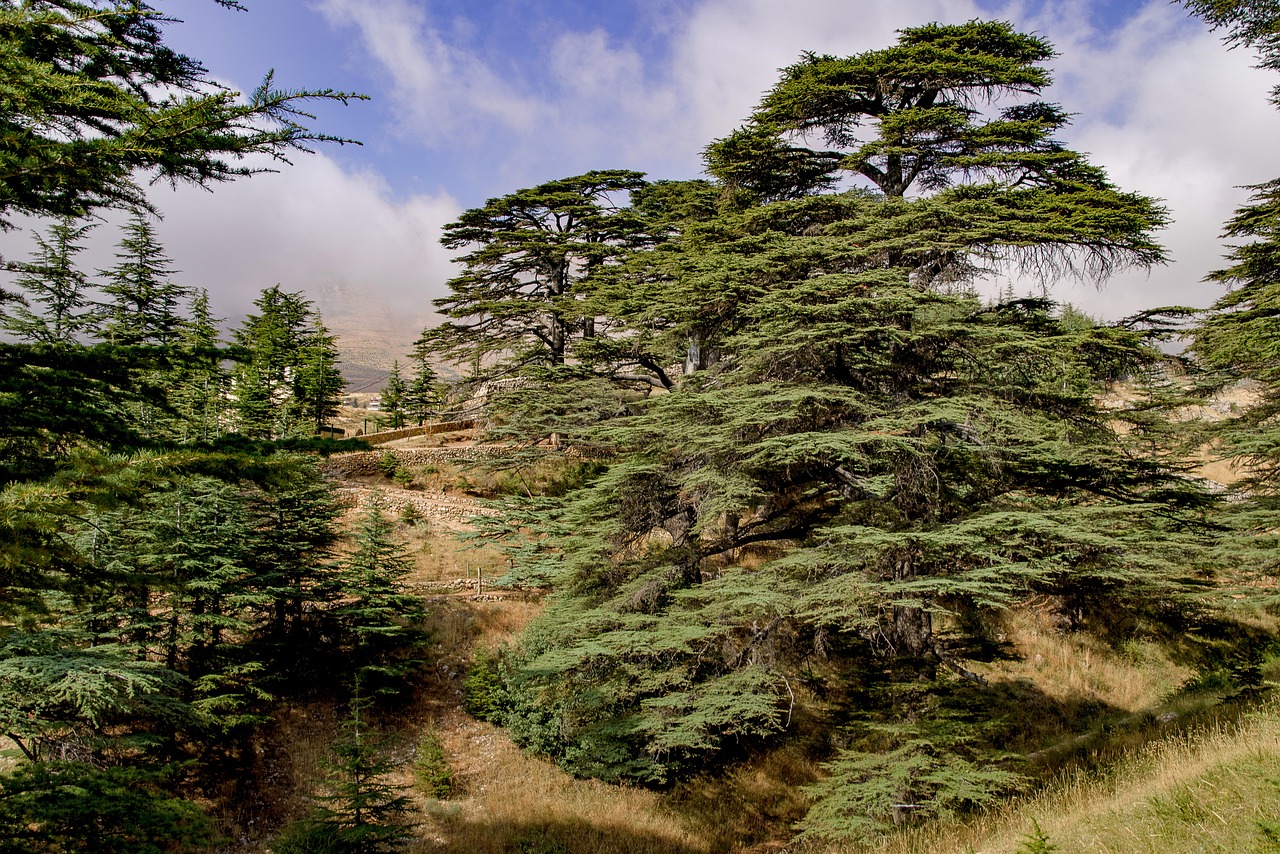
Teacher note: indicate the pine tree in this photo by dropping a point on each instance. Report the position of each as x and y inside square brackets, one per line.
[77, 807]
[201, 386]
[422, 395]
[392, 401]
[288, 383]
[376, 615]
[362, 813]
[103, 106]
[51, 281]
[516, 302]
[144, 306]
[289, 557]
[1238, 338]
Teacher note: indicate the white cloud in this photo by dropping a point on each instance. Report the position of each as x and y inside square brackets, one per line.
[366, 260]
[1161, 104]
[1169, 112]
[442, 88]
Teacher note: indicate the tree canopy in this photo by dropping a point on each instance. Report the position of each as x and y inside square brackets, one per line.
[95, 105]
[868, 460]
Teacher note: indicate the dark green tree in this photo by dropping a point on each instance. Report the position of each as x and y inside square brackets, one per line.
[1241, 335]
[99, 103]
[377, 616]
[66, 807]
[144, 306]
[392, 401]
[517, 300]
[290, 551]
[362, 813]
[56, 308]
[288, 383]
[1238, 338]
[318, 388]
[201, 385]
[875, 459]
[422, 394]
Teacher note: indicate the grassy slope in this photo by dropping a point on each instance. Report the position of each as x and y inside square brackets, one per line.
[1211, 790]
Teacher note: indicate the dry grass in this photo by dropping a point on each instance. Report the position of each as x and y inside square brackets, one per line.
[511, 801]
[1077, 666]
[1217, 789]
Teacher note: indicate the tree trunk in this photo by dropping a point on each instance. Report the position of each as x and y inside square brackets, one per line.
[911, 631]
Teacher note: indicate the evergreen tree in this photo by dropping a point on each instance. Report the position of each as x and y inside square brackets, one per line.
[1241, 335]
[289, 557]
[318, 388]
[517, 298]
[143, 312]
[422, 394]
[102, 102]
[392, 400]
[362, 813]
[201, 386]
[288, 383]
[376, 615]
[1238, 338]
[899, 459]
[51, 281]
[66, 807]
[144, 306]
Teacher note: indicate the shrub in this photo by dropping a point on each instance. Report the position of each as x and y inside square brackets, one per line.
[308, 837]
[483, 691]
[387, 464]
[432, 773]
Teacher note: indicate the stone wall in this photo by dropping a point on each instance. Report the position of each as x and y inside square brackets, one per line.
[383, 436]
[365, 463]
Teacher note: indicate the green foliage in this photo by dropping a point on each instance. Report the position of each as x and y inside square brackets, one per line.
[99, 103]
[856, 459]
[516, 300]
[432, 774]
[388, 464]
[422, 396]
[362, 813]
[64, 807]
[392, 401]
[483, 691]
[144, 302]
[916, 752]
[51, 283]
[288, 384]
[1037, 841]
[377, 618]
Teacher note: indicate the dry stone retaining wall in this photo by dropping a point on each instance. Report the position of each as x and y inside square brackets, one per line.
[428, 505]
[383, 436]
[365, 463]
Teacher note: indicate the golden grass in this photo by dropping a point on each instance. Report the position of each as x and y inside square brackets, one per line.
[511, 801]
[1217, 789]
[1077, 666]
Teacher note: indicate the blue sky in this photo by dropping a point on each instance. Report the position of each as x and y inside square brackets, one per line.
[476, 98]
